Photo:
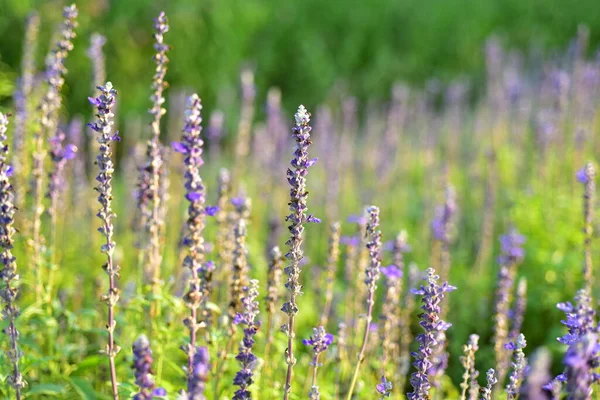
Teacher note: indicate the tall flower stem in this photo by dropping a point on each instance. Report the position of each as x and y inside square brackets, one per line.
[156, 223]
[297, 179]
[103, 126]
[8, 274]
[50, 105]
[372, 275]
[191, 145]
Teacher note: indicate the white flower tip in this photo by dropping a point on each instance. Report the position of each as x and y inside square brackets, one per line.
[302, 116]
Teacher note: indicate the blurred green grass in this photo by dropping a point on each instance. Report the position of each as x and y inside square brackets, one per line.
[304, 47]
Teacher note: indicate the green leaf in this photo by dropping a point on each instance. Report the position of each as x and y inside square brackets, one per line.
[84, 388]
[49, 389]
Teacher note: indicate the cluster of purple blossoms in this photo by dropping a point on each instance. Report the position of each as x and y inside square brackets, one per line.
[8, 272]
[432, 324]
[518, 367]
[486, 392]
[512, 248]
[191, 146]
[243, 377]
[142, 368]
[580, 361]
[580, 319]
[296, 177]
[103, 126]
[319, 341]
[384, 388]
[199, 375]
[512, 255]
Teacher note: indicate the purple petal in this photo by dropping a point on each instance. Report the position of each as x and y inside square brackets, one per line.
[10, 171]
[160, 392]
[211, 211]
[581, 176]
[193, 196]
[313, 219]
[179, 147]
[70, 151]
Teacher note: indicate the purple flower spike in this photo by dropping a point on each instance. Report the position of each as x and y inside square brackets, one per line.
[199, 374]
[247, 359]
[142, 367]
[429, 340]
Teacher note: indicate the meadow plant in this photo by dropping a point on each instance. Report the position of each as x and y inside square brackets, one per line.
[49, 108]
[244, 377]
[372, 275]
[9, 275]
[103, 127]
[431, 323]
[320, 342]
[297, 218]
[191, 146]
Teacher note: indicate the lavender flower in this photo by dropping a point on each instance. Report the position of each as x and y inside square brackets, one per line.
[518, 367]
[512, 255]
[468, 363]
[431, 323]
[200, 371]
[247, 360]
[240, 267]
[103, 126]
[49, 107]
[405, 326]
[319, 342]
[384, 388]
[155, 167]
[191, 146]
[580, 360]
[8, 274]
[297, 179]
[587, 176]
[373, 245]
[486, 392]
[391, 310]
[142, 368]
[580, 318]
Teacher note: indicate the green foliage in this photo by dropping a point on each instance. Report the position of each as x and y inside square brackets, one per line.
[307, 48]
